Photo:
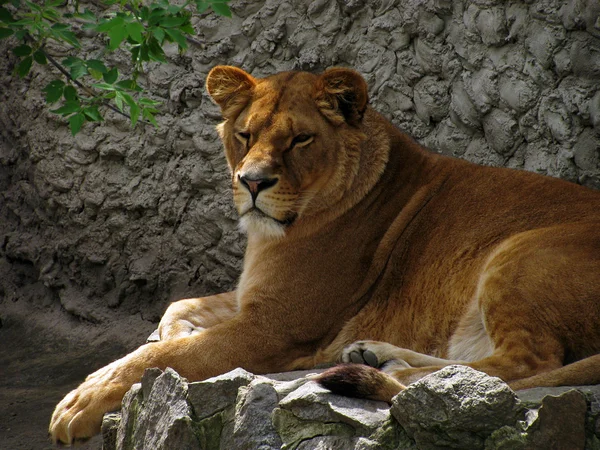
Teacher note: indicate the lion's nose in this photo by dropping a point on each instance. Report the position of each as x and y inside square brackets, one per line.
[255, 185]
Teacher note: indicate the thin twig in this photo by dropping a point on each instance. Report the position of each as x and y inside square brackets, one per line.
[88, 90]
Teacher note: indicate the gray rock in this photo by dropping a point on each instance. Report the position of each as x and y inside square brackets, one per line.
[158, 417]
[357, 413]
[456, 407]
[216, 394]
[252, 426]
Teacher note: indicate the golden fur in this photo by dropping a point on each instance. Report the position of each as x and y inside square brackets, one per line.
[357, 233]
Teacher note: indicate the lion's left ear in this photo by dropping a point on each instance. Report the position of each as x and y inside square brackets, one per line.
[231, 88]
[342, 95]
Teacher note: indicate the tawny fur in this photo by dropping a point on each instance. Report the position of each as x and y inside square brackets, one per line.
[363, 234]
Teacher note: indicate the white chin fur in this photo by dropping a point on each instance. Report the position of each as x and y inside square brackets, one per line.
[254, 224]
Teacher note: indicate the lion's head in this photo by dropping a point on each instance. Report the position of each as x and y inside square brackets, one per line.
[292, 142]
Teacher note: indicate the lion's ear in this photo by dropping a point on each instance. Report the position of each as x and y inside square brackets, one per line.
[342, 95]
[230, 87]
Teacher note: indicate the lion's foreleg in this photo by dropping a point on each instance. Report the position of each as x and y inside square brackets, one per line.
[249, 340]
[193, 315]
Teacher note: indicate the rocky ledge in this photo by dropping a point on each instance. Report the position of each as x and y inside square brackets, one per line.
[456, 407]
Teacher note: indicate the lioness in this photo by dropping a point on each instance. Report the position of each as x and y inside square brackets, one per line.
[357, 232]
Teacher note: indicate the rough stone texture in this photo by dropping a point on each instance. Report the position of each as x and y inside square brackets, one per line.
[456, 407]
[122, 221]
[156, 414]
[98, 233]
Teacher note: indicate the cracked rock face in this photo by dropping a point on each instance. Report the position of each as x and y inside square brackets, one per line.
[456, 407]
[118, 222]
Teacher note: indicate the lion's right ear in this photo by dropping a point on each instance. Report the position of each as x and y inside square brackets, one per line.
[230, 87]
[342, 95]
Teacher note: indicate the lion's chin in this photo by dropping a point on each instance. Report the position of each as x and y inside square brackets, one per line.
[255, 222]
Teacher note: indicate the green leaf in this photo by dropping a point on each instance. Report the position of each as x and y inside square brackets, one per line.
[5, 16]
[54, 91]
[144, 13]
[172, 21]
[70, 94]
[187, 28]
[156, 15]
[76, 65]
[159, 34]
[67, 108]
[106, 25]
[70, 61]
[5, 32]
[34, 7]
[134, 113]
[148, 102]
[128, 98]
[176, 36]
[86, 15]
[76, 121]
[135, 53]
[111, 76]
[60, 33]
[202, 5]
[155, 51]
[78, 71]
[24, 66]
[128, 84]
[95, 74]
[92, 114]
[221, 8]
[148, 114]
[22, 50]
[51, 14]
[116, 35]
[97, 65]
[40, 57]
[135, 31]
[104, 86]
[119, 100]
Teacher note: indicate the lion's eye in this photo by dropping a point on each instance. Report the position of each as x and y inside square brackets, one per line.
[301, 140]
[243, 137]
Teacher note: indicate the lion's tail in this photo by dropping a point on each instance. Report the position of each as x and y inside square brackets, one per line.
[358, 380]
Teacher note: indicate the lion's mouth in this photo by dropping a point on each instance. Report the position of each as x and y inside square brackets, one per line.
[259, 213]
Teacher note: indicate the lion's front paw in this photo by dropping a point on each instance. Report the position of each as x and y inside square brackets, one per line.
[79, 414]
[373, 353]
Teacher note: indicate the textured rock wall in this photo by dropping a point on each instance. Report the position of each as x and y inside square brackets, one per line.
[116, 221]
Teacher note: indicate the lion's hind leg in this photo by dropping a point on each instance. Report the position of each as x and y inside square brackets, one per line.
[537, 307]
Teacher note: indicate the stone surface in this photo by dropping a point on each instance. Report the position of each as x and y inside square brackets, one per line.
[157, 415]
[456, 407]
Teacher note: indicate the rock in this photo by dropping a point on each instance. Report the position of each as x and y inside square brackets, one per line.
[456, 407]
[252, 425]
[216, 394]
[157, 415]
